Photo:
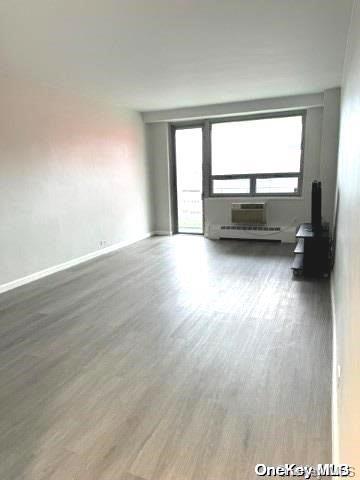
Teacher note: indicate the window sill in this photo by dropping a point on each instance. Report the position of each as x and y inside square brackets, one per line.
[255, 198]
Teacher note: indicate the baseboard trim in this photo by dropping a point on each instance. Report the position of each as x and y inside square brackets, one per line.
[334, 393]
[70, 263]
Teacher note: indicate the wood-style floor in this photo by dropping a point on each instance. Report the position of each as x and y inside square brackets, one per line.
[173, 359]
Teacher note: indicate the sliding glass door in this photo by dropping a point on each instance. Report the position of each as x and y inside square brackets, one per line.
[189, 179]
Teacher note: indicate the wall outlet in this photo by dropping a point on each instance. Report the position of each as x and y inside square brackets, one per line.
[102, 244]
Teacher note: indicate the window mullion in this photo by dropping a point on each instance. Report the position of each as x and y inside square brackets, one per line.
[207, 180]
[252, 185]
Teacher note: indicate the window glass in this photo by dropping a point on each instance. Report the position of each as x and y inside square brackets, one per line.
[239, 185]
[277, 185]
[269, 145]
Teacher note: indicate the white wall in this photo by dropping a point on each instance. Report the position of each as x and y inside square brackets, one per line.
[158, 152]
[329, 150]
[236, 108]
[347, 264]
[72, 174]
[320, 159]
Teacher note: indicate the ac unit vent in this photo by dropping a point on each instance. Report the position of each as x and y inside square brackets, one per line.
[251, 206]
[248, 213]
[248, 206]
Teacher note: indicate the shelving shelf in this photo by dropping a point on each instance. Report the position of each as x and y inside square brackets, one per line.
[298, 263]
[299, 246]
[312, 251]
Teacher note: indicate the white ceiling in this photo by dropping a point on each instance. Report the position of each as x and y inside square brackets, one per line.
[156, 54]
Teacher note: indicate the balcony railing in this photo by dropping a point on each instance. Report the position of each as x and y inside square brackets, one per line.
[190, 212]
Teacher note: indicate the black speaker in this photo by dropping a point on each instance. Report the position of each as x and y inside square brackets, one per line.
[316, 205]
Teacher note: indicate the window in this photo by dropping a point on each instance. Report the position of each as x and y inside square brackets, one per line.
[237, 185]
[257, 156]
[277, 185]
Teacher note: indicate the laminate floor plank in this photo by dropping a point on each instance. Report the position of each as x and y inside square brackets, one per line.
[176, 358]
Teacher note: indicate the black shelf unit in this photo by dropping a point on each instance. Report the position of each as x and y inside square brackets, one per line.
[312, 251]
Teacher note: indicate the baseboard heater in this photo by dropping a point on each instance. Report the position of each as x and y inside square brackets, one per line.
[262, 228]
[252, 232]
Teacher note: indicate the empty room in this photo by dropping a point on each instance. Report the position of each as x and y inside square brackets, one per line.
[179, 234]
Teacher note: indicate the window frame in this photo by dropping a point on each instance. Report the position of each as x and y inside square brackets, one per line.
[254, 176]
[172, 128]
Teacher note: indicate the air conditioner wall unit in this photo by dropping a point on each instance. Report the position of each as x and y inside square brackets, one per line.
[248, 213]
